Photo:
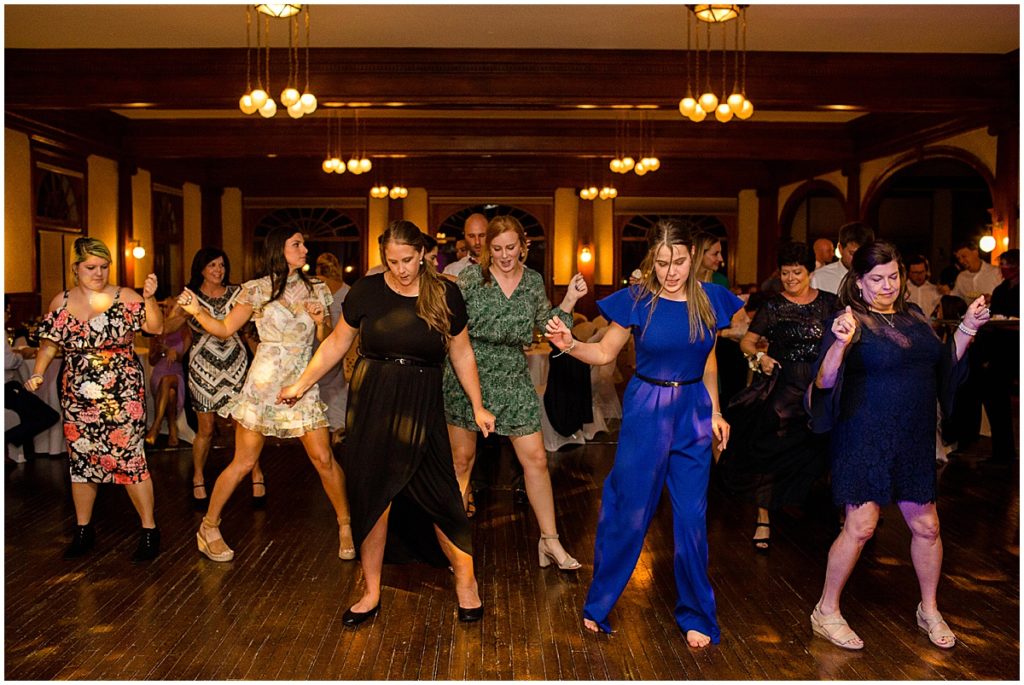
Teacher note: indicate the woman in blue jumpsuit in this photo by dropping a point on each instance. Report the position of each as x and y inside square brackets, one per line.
[670, 412]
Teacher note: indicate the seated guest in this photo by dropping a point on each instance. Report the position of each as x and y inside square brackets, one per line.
[167, 379]
[978, 276]
[1006, 296]
[920, 290]
[851, 237]
[34, 415]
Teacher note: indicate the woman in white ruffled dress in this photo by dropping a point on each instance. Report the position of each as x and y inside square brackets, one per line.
[289, 309]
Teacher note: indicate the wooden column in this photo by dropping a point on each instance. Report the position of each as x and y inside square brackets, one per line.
[767, 231]
[1007, 185]
[851, 171]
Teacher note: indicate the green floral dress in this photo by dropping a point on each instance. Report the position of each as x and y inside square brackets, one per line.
[499, 328]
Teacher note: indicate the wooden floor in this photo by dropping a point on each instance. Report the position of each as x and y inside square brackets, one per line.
[275, 612]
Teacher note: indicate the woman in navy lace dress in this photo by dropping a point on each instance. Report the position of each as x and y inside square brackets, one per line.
[880, 371]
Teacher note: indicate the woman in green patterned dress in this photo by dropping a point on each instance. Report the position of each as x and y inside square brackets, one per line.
[505, 300]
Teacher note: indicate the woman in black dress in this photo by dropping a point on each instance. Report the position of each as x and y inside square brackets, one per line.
[880, 371]
[403, 494]
[773, 456]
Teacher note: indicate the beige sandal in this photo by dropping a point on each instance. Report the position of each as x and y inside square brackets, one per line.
[345, 551]
[835, 629]
[937, 629]
[216, 549]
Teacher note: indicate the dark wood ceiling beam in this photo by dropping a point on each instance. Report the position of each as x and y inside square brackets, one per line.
[215, 78]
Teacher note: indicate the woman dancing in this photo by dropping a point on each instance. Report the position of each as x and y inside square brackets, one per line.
[670, 412]
[404, 493]
[289, 309]
[881, 370]
[103, 389]
[505, 300]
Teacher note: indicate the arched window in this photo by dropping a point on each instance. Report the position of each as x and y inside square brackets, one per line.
[57, 200]
[325, 229]
[632, 241]
[536, 236]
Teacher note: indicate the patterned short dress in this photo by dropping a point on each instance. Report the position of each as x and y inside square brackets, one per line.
[499, 328]
[216, 368]
[286, 340]
[103, 392]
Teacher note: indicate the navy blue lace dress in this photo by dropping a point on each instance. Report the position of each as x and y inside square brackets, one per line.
[882, 409]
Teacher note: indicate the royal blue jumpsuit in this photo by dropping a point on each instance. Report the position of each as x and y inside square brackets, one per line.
[665, 439]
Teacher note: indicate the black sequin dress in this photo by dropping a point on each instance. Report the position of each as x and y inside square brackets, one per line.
[773, 457]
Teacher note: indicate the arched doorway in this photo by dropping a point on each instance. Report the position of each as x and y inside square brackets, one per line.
[538, 257]
[631, 239]
[815, 210]
[929, 205]
[325, 229]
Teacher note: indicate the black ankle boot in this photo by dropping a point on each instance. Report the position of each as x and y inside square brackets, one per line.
[149, 545]
[82, 541]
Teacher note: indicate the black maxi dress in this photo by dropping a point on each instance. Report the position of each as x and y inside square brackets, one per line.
[397, 450]
[773, 457]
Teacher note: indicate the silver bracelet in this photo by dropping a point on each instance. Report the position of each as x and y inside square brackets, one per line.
[570, 348]
[966, 330]
[716, 413]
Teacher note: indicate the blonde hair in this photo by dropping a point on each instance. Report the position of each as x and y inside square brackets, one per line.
[84, 248]
[328, 266]
[670, 233]
[431, 304]
[703, 241]
[497, 226]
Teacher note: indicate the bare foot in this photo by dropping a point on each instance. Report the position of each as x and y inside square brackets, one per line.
[697, 639]
[468, 595]
[591, 625]
[346, 547]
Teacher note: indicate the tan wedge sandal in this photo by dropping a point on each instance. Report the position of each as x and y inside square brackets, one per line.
[937, 629]
[835, 629]
[215, 549]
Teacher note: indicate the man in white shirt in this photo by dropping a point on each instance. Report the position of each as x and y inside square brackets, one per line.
[920, 291]
[851, 237]
[474, 231]
[978, 277]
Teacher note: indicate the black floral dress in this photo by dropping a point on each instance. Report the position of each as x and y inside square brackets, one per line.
[102, 391]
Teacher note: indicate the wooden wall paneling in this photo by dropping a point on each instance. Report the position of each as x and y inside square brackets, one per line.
[1006, 202]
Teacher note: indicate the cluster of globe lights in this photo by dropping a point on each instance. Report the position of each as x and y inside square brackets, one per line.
[696, 110]
[334, 165]
[605, 193]
[258, 100]
[395, 193]
[623, 165]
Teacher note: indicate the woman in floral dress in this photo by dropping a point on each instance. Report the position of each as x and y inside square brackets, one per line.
[506, 300]
[289, 309]
[103, 388]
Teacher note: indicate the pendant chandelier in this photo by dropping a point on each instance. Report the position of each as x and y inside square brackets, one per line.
[259, 99]
[623, 163]
[732, 102]
[332, 163]
[358, 163]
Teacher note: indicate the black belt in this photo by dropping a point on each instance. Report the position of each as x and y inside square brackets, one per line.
[668, 384]
[401, 361]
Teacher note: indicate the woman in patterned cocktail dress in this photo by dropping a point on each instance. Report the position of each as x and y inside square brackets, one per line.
[506, 301]
[216, 367]
[103, 388]
[289, 309]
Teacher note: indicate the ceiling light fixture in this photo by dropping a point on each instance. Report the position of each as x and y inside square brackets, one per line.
[736, 102]
[258, 99]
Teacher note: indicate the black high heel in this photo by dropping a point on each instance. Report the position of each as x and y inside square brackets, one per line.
[149, 545]
[353, 619]
[762, 545]
[471, 615]
[259, 501]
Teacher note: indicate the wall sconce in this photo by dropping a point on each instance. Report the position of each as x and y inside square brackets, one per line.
[987, 243]
[586, 255]
[136, 249]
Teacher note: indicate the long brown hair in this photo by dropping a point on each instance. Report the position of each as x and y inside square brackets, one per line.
[431, 304]
[867, 257]
[497, 226]
[671, 233]
[276, 266]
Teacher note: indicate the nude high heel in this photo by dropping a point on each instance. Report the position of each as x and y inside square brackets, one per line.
[545, 556]
[215, 550]
[348, 553]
